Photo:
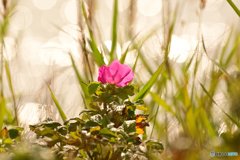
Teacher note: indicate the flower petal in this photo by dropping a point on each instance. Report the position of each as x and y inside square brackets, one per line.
[101, 74]
[116, 73]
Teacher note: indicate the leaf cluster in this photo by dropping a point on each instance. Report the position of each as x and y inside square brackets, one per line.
[9, 138]
[109, 129]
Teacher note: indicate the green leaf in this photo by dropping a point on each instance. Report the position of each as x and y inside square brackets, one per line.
[129, 89]
[76, 119]
[87, 111]
[122, 94]
[7, 141]
[129, 126]
[105, 121]
[2, 150]
[19, 128]
[72, 127]
[106, 131]
[90, 124]
[149, 84]
[106, 97]
[13, 133]
[139, 104]
[57, 105]
[92, 87]
[97, 118]
[162, 103]
[51, 124]
[73, 124]
[62, 130]
[114, 30]
[140, 107]
[151, 145]
[32, 127]
[44, 131]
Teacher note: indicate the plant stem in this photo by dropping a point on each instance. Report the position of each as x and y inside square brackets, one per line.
[234, 7]
[154, 122]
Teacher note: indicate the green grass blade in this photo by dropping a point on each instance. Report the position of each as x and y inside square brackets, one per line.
[206, 122]
[162, 103]
[217, 64]
[135, 63]
[225, 48]
[114, 30]
[123, 57]
[208, 94]
[154, 122]
[233, 51]
[80, 81]
[95, 52]
[234, 7]
[144, 62]
[149, 84]
[12, 91]
[2, 111]
[137, 45]
[232, 119]
[191, 122]
[62, 114]
[221, 68]
[187, 100]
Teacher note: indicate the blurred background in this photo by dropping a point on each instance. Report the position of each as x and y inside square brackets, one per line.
[191, 34]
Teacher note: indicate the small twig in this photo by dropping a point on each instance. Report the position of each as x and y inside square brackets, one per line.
[86, 56]
[84, 83]
[89, 154]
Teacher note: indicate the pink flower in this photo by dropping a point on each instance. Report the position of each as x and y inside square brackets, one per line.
[116, 74]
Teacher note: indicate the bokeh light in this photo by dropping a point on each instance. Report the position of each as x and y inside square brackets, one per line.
[182, 47]
[213, 5]
[52, 53]
[29, 48]
[69, 37]
[49, 21]
[44, 4]
[149, 7]
[215, 35]
[10, 48]
[108, 46]
[21, 18]
[69, 11]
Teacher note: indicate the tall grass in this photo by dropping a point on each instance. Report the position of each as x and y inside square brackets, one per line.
[183, 96]
[4, 29]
